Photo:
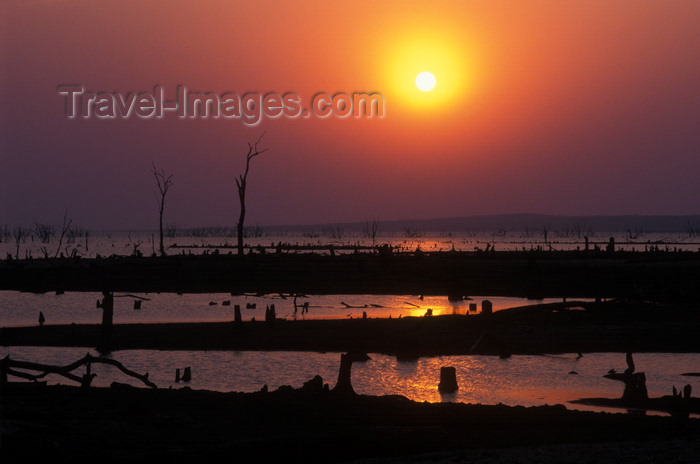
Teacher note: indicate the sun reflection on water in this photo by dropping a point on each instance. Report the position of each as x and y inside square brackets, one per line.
[519, 380]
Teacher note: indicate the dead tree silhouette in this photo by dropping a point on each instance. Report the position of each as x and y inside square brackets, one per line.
[164, 183]
[242, 184]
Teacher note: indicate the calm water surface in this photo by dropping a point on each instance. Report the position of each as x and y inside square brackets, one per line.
[22, 309]
[519, 380]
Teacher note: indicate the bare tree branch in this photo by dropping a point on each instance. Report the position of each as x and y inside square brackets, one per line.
[64, 230]
[242, 184]
[8, 366]
[164, 182]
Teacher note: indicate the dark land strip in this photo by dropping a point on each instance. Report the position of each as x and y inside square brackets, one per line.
[653, 307]
[658, 276]
[612, 326]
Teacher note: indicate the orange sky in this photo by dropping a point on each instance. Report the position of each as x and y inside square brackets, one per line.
[581, 107]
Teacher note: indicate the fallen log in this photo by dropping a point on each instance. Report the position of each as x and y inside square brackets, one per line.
[9, 367]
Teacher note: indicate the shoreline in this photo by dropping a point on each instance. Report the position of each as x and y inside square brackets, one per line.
[612, 326]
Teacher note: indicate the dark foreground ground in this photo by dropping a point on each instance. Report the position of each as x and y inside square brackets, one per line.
[127, 424]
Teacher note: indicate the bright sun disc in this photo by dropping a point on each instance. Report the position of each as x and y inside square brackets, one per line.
[425, 81]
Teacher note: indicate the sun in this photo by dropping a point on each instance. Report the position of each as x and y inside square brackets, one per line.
[428, 69]
[425, 81]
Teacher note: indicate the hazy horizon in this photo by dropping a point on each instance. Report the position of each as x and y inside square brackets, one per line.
[514, 222]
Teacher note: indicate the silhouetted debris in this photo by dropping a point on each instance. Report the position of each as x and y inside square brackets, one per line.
[635, 383]
[407, 354]
[107, 305]
[681, 405]
[8, 367]
[315, 385]
[359, 356]
[610, 248]
[270, 314]
[186, 376]
[448, 380]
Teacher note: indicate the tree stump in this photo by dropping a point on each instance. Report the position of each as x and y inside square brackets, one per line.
[107, 312]
[635, 383]
[344, 384]
[448, 380]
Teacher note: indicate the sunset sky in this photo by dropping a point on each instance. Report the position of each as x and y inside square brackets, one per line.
[555, 107]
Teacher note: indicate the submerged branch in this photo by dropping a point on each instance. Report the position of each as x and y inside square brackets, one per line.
[8, 366]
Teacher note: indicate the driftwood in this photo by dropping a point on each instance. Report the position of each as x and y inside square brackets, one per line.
[8, 367]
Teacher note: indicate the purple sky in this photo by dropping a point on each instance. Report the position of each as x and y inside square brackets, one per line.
[582, 107]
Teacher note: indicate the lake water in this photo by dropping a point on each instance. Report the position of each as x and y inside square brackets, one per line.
[22, 309]
[519, 380]
[199, 241]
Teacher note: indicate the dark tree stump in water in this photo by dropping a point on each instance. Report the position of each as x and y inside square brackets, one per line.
[448, 380]
[344, 384]
[635, 383]
[107, 306]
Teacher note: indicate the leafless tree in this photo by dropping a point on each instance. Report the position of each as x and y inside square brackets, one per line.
[545, 233]
[242, 184]
[581, 228]
[370, 230]
[20, 234]
[5, 233]
[64, 230]
[164, 182]
[336, 233]
[45, 232]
